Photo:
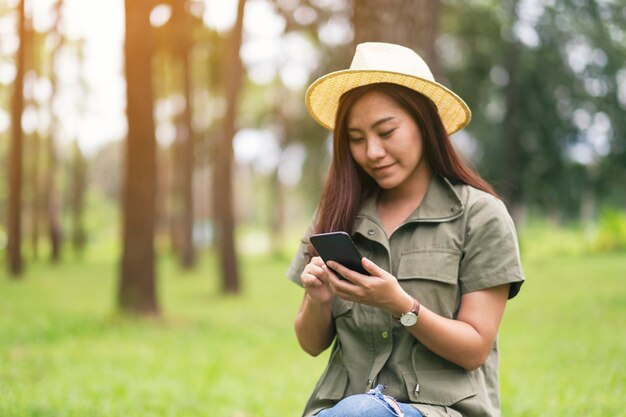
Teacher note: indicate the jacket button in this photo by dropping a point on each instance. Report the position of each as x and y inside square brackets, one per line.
[371, 232]
[384, 334]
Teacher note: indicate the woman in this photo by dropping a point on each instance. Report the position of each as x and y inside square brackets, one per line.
[417, 336]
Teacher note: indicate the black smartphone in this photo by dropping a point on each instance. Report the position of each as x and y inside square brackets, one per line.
[338, 247]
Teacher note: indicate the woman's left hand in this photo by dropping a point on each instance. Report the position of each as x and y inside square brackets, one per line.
[379, 289]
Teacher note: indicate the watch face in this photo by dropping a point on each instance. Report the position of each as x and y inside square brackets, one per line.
[408, 319]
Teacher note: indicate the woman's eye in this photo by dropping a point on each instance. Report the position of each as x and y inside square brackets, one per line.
[356, 140]
[386, 133]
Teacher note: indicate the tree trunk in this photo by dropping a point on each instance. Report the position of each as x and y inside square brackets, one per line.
[410, 23]
[53, 203]
[173, 197]
[137, 289]
[223, 175]
[33, 148]
[182, 25]
[188, 256]
[36, 202]
[15, 163]
[53, 200]
[512, 193]
[79, 179]
[77, 199]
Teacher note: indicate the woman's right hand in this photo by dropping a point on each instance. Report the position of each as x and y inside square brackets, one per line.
[314, 280]
[314, 323]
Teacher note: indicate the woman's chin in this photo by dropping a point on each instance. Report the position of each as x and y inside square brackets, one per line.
[387, 184]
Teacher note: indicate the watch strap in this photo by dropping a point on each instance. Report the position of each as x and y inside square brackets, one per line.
[415, 310]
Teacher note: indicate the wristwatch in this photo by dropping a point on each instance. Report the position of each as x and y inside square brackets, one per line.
[410, 318]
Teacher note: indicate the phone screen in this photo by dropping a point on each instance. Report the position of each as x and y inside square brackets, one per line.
[338, 247]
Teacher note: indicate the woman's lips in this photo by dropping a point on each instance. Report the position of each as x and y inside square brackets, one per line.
[381, 169]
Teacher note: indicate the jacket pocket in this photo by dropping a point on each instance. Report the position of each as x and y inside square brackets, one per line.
[440, 387]
[438, 265]
[431, 276]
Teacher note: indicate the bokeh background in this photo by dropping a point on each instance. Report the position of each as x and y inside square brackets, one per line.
[160, 168]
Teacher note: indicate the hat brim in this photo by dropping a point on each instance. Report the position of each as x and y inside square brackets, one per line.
[322, 97]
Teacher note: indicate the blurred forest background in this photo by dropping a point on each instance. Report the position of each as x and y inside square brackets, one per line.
[147, 141]
[179, 126]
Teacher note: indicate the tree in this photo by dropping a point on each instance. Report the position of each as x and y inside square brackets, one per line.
[184, 146]
[537, 84]
[223, 162]
[33, 142]
[53, 198]
[400, 22]
[77, 198]
[299, 127]
[137, 289]
[78, 177]
[512, 194]
[15, 165]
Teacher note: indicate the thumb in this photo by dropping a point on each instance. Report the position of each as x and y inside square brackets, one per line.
[371, 267]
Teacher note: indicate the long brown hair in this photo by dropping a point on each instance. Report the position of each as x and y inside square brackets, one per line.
[347, 185]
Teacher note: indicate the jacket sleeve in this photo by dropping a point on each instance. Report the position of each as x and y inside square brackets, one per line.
[300, 259]
[491, 251]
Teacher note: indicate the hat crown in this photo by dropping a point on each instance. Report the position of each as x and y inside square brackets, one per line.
[377, 56]
[374, 63]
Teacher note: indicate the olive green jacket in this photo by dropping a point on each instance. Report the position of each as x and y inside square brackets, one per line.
[457, 241]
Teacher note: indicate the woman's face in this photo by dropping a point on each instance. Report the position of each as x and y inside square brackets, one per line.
[386, 142]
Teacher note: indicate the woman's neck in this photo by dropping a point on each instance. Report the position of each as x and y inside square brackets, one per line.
[396, 205]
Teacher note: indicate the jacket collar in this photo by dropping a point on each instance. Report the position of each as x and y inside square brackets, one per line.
[440, 204]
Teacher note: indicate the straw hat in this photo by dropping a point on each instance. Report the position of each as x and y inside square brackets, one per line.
[375, 62]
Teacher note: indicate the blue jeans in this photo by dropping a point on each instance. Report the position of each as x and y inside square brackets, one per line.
[372, 404]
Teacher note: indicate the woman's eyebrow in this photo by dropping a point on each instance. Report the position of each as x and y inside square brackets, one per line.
[376, 123]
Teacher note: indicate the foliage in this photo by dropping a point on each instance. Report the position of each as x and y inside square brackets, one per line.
[546, 74]
[611, 233]
[540, 238]
[63, 352]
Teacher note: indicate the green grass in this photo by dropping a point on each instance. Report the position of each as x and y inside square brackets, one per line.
[563, 341]
[65, 352]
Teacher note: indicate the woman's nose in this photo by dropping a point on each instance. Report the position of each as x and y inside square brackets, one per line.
[375, 149]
